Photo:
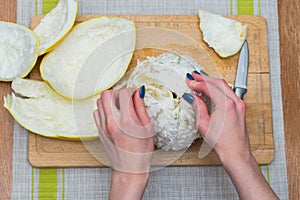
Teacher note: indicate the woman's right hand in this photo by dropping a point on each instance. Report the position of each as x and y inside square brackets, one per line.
[224, 129]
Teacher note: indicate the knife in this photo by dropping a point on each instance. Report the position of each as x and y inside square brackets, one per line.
[242, 72]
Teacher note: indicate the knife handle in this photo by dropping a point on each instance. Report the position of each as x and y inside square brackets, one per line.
[240, 92]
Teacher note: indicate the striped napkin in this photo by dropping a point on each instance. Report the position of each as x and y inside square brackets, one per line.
[209, 182]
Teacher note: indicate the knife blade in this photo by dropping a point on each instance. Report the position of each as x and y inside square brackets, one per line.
[242, 72]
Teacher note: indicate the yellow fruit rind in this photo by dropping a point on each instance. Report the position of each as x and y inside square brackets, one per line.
[8, 104]
[50, 48]
[97, 92]
[36, 52]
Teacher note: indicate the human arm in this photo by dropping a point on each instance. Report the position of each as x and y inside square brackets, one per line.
[125, 131]
[224, 129]
[128, 185]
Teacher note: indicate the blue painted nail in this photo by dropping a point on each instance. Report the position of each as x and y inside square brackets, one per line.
[196, 72]
[142, 92]
[190, 77]
[203, 72]
[188, 97]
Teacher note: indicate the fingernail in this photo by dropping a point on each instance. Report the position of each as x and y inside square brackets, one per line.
[142, 92]
[188, 97]
[190, 77]
[196, 72]
[203, 72]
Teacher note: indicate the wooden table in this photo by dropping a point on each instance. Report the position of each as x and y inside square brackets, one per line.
[289, 27]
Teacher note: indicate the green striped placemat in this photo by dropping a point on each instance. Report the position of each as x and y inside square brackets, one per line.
[168, 183]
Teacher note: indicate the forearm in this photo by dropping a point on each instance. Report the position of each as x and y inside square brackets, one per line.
[128, 185]
[248, 179]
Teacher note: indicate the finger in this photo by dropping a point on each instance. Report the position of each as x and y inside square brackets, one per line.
[230, 93]
[101, 132]
[199, 87]
[107, 102]
[225, 88]
[209, 89]
[131, 123]
[140, 107]
[202, 116]
[217, 81]
[200, 77]
[100, 126]
[221, 83]
[111, 112]
[215, 89]
[198, 83]
[101, 115]
[127, 107]
[97, 118]
[201, 110]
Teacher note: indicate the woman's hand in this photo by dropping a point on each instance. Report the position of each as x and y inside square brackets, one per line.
[224, 129]
[126, 132]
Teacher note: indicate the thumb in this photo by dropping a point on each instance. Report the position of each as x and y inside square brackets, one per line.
[140, 107]
[96, 118]
[201, 110]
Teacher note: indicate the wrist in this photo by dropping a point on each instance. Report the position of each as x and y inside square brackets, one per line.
[134, 178]
[128, 185]
[244, 172]
[237, 159]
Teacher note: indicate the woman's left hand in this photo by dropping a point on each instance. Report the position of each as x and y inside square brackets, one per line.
[125, 129]
[126, 132]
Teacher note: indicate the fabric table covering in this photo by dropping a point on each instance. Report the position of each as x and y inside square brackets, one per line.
[202, 182]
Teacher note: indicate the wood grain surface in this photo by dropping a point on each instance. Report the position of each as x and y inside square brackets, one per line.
[7, 13]
[179, 34]
[289, 29]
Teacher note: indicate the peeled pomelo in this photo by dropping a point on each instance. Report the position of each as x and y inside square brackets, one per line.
[172, 117]
[36, 107]
[18, 50]
[92, 58]
[56, 25]
[225, 36]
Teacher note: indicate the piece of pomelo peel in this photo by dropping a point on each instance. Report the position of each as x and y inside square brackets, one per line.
[36, 107]
[18, 50]
[92, 58]
[41, 110]
[225, 36]
[56, 25]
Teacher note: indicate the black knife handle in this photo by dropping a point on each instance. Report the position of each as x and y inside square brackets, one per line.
[240, 92]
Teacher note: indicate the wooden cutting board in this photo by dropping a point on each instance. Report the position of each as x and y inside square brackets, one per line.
[180, 34]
